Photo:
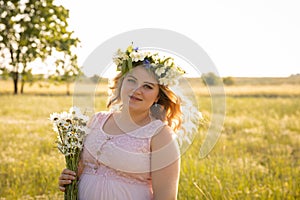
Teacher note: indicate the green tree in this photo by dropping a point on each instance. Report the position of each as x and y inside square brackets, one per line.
[211, 79]
[32, 29]
[228, 80]
[67, 70]
[95, 78]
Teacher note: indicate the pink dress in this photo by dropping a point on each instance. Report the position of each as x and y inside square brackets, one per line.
[117, 167]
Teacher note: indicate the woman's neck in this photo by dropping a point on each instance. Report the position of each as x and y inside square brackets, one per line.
[136, 118]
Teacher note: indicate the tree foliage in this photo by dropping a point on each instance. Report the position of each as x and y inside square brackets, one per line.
[67, 70]
[228, 80]
[32, 29]
[211, 79]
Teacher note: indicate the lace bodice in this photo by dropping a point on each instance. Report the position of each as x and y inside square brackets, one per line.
[124, 157]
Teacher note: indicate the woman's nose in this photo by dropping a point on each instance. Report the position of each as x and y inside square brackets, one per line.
[137, 89]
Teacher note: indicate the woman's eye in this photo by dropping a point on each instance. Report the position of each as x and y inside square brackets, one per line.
[131, 80]
[148, 87]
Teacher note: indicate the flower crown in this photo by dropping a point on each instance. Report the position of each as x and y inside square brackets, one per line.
[164, 68]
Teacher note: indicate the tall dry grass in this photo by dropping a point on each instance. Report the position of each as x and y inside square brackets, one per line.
[256, 157]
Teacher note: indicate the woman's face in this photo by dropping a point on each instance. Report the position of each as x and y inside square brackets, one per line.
[139, 89]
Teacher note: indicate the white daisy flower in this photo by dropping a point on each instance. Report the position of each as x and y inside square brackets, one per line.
[160, 71]
[54, 117]
[135, 56]
[164, 81]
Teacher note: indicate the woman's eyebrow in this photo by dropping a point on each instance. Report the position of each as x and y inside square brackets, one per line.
[147, 82]
[132, 76]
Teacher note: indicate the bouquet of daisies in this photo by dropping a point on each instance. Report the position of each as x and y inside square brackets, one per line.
[71, 131]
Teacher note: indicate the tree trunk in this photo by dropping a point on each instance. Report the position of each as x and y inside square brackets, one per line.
[15, 73]
[68, 88]
[22, 85]
[15, 76]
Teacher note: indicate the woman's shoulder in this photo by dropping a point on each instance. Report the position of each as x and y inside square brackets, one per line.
[98, 116]
[101, 114]
[165, 133]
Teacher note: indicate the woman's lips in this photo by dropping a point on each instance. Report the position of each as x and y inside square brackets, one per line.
[135, 98]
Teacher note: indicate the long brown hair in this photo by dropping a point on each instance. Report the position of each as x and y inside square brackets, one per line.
[169, 103]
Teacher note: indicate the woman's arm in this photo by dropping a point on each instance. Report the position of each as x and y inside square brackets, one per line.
[165, 165]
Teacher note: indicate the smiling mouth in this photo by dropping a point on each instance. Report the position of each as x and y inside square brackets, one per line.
[135, 98]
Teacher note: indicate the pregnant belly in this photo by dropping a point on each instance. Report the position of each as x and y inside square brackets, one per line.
[101, 187]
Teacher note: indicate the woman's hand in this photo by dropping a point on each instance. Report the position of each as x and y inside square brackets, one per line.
[65, 178]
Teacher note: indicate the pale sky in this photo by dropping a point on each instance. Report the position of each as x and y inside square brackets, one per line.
[243, 38]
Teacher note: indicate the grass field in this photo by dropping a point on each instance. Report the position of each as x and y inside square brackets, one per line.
[256, 157]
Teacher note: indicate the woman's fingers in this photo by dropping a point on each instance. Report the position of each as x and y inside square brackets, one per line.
[69, 172]
[63, 182]
[66, 178]
[62, 188]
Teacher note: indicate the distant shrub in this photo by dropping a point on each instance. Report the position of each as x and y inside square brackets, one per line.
[211, 79]
[228, 80]
[295, 75]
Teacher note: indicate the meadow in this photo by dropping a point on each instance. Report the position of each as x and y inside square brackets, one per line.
[257, 155]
